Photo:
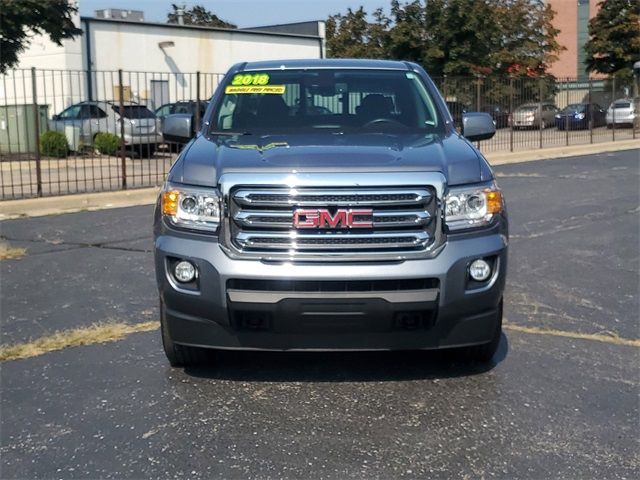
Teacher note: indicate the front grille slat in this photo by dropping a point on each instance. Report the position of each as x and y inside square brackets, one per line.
[298, 241]
[324, 198]
[260, 221]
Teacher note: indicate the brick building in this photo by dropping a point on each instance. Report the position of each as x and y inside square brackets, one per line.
[572, 19]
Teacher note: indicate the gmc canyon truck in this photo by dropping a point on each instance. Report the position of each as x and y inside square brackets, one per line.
[331, 205]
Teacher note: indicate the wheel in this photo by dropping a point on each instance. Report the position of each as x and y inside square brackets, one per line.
[485, 352]
[180, 355]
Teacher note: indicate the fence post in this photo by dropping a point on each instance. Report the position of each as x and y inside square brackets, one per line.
[511, 113]
[541, 120]
[123, 163]
[613, 99]
[36, 129]
[197, 126]
[566, 118]
[478, 94]
[590, 115]
[445, 90]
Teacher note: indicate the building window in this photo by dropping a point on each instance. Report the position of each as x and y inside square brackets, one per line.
[583, 37]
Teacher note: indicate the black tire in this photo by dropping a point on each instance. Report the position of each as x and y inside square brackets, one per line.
[485, 352]
[180, 355]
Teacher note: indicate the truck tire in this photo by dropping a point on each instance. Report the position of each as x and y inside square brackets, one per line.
[180, 355]
[485, 352]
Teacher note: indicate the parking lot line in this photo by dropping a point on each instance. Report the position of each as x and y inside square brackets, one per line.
[604, 337]
[96, 333]
[115, 331]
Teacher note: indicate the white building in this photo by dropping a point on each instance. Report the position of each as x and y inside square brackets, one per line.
[159, 61]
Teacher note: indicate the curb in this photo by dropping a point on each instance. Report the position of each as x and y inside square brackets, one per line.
[37, 207]
[504, 158]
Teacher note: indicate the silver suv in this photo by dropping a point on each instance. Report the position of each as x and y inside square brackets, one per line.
[81, 123]
[623, 111]
[533, 115]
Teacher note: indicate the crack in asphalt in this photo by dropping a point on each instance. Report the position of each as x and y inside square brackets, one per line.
[563, 225]
[78, 245]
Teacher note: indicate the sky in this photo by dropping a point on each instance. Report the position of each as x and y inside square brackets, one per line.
[244, 13]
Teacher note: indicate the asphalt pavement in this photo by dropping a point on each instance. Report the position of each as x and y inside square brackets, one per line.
[549, 406]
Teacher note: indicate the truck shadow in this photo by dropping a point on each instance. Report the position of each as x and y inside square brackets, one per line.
[342, 366]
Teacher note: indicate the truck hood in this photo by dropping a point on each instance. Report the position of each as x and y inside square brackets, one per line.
[206, 159]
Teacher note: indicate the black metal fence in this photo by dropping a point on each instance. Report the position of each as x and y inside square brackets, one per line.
[81, 105]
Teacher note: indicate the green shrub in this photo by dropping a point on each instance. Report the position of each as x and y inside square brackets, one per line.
[107, 143]
[54, 144]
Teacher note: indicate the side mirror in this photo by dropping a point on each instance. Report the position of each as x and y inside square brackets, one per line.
[177, 127]
[477, 126]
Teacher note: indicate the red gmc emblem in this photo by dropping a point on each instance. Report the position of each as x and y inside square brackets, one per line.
[322, 218]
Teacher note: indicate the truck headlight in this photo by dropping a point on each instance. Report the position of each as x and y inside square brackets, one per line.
[191, 208]
[472, 207]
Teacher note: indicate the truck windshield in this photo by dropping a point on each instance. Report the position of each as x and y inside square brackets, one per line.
[290, 101]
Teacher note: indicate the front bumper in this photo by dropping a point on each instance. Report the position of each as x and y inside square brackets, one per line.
[454, 314]
[620, 119]
[150, 139]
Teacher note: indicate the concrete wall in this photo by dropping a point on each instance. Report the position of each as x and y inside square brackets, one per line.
[43, 53]
[131, 46]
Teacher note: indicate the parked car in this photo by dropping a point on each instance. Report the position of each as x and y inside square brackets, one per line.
[534, 115]
[186, 106]
[623, 112]
[141, 127]
[499, 114]
[182, 112]
[578, 116]
[457, 109]
[376, 227]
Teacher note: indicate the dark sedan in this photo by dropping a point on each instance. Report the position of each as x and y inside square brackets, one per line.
[580, 116]
[499, 114]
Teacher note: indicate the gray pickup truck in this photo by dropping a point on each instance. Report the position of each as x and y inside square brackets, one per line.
[331, 205]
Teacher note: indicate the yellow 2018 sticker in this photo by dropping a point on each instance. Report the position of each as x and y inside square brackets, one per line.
[269, 89]
[250, 79]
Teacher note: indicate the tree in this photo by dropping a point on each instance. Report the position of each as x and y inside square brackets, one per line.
[614, 38]
[453, 37]
[21, 19]
[198, 15]
[353, 36]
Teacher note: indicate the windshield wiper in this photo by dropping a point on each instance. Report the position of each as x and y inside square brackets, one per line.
[228, 132]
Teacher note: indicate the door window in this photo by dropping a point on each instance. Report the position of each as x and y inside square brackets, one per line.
[70, 113]
[91, 111]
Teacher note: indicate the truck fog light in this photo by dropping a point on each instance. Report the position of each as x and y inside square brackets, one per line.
[479, 270]
[184, 271]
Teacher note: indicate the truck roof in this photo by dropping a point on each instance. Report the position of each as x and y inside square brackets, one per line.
[326, 63]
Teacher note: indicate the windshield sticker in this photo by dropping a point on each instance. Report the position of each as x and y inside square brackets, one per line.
[250, 79]
[265, 89]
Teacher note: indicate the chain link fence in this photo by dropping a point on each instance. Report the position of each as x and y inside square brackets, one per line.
[111, 122]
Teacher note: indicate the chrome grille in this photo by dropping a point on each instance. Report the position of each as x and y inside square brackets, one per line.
[261, 221]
